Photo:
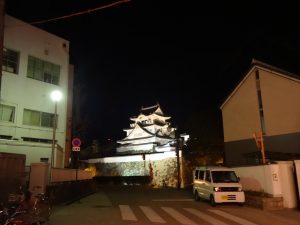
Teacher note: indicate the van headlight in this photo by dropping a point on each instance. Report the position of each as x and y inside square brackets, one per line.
[240, 189]
[217, 189]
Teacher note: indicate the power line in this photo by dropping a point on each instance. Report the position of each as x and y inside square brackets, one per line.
[82, 12]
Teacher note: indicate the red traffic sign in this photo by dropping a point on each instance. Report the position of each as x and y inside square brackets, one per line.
[76, 142]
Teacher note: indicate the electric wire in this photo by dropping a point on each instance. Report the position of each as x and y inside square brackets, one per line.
[81, 12]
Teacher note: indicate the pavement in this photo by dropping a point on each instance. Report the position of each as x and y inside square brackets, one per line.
[98, 209]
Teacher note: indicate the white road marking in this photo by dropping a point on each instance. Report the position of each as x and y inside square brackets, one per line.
[152, 215]
[178, 216]
[232, 217]
[127, 213]
[205, 217]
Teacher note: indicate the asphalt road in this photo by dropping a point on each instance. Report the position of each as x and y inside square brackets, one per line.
[113, 205]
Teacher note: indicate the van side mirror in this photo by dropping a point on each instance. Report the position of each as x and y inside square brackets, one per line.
[239, 179]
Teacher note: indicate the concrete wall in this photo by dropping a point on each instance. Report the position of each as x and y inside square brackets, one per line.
[61, 175]
[297, 168]
[261, 178]
[275, 179]
[39, 177]
[288, 185]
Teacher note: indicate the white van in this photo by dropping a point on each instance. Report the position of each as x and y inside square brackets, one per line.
[218, 185]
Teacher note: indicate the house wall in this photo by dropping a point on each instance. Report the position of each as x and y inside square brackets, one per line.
[281, 96]
[281, 108]
[235, 150]
[22, 92]
[240, 113]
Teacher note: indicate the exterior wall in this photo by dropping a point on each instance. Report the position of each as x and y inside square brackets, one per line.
[274, 179]
[241, 112]
[297, 167]
[12, 173]
[22, 92]
[261, 178]
[281, 96]
[160, 167]
[235, 150]
[288, 186]
[60, 175]
[39, 177]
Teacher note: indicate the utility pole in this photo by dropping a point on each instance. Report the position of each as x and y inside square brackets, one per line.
[178, 159]
[2, 16]
[259, 140]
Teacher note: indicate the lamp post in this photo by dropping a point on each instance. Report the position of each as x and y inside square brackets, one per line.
[56, 97]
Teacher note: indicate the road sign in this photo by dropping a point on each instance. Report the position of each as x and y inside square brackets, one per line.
[76, 142]
[76, 149]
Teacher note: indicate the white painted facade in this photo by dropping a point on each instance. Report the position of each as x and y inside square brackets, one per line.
[22, 92]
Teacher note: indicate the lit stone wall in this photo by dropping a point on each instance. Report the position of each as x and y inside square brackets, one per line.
[159, 170]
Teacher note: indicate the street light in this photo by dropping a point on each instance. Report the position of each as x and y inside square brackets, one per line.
[56, 96]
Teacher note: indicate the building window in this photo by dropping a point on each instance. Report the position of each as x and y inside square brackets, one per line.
[44, 71]
[10, 61]
[7, 113]
[40, 140]
[37, 118]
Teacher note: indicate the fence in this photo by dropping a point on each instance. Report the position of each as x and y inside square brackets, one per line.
[277, 180]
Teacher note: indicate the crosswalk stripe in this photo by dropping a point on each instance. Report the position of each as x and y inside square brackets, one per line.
[178, 216]
[231, 217]
[152, 215]
[127, 213]
[205, 217]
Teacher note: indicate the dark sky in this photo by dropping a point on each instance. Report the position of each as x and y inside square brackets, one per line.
[186, 55]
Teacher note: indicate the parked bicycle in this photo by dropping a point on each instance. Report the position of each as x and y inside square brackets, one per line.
[29, 210]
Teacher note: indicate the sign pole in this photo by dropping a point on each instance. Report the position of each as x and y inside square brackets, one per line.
[76, 142]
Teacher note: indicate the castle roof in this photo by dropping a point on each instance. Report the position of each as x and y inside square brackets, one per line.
[147, 111]
[155, 109]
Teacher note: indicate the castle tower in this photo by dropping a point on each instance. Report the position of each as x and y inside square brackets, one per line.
[150, 132]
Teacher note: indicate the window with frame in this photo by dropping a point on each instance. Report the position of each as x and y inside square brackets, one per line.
[10, 61]
[37, 118]
[7, 113]
[42, 70]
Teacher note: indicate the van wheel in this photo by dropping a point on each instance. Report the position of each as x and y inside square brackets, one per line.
[241, 204]
[212, 201]
[196, 196]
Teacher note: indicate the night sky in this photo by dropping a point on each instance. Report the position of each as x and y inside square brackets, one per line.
[185, 55]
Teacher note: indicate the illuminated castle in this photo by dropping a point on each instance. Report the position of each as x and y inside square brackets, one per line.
[149, 133]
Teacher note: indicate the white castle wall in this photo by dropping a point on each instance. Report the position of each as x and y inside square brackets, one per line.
[161, 167]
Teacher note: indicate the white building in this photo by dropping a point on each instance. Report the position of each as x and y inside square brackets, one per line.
[149, 132]
[35, 63]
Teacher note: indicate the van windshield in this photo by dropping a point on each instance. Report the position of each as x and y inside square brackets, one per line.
[224, 177]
